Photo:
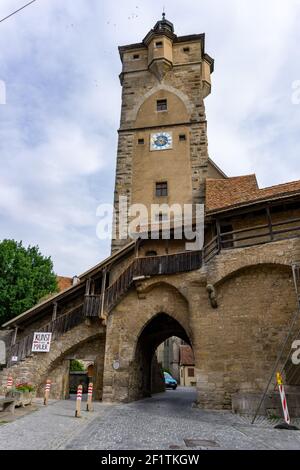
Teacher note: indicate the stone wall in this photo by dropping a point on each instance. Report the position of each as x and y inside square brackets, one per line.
[37, 368]
[235, 345]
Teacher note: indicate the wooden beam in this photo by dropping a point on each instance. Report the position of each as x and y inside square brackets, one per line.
[14, 338]
[219, 242]
[103, 288]
[54, 314]
[269, 219]
[87, 286]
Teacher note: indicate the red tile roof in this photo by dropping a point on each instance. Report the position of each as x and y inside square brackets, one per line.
[186, 356]
[64, 283]
[243, 190]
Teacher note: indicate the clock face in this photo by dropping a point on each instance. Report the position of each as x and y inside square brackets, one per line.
[161, 141]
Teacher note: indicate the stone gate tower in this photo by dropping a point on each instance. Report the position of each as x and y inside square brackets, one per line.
[162, 150]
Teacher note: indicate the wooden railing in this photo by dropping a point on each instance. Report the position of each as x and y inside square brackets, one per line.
[252, 236]
[151, 266]
[57, 327]
[92, 305]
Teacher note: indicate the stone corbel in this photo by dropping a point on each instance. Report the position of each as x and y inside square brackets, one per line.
[212, 294]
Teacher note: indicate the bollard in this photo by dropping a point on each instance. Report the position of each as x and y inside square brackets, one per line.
[283, 399]
[47, 392]
[89, 405]
[78, 402]
[9, 382]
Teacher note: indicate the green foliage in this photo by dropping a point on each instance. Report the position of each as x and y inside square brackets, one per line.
[24, 388]
[77, 366]
[25, 277]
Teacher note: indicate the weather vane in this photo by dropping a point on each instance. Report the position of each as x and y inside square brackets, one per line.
[164, 14]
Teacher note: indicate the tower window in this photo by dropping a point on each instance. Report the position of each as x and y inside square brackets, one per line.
[159, 44]
[136, 56]
[182, 138]
[186, 49]
[141, 141]
[161, 189]
[162, 105]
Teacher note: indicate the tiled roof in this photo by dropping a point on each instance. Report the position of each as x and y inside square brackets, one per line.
[242, 190]
[186, 356]
[64, 283]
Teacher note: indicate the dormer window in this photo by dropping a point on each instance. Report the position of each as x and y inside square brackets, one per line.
[158, 44]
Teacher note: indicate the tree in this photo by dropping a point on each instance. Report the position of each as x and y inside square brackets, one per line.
[76, 366]
[25, 277]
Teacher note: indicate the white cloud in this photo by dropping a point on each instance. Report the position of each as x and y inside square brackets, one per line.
[58, 136]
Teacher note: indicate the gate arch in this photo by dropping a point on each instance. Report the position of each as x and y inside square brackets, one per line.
[161, 327]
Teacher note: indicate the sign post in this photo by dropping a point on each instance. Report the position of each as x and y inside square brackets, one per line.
[41, 342]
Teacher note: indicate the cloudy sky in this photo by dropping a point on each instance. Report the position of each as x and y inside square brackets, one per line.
[58, 129]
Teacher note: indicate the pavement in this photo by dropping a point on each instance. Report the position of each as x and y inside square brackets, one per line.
[167, 421]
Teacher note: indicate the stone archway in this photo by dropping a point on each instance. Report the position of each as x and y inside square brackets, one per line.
[161, 327]
[130, 320]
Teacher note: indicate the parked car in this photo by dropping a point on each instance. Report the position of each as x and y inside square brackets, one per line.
[170, 382]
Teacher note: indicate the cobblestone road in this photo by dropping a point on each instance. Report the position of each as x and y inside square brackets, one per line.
[166, 421]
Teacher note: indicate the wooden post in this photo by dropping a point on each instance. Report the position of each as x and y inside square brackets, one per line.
[137, 247]
[54, 313]
[270, 223]
[89, 405]
[219, 241]
[78, 402]
[14, 338]
[47, 392]
[88, 286]
[103, 285]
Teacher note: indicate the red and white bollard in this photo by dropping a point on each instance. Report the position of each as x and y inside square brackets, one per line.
[9, 382]
[89, 405]
[283, 399]
[78, 402]
[47, 392]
